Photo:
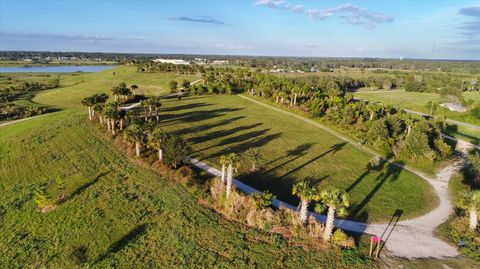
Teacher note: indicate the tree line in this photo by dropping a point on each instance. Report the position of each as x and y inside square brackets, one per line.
[385, 128]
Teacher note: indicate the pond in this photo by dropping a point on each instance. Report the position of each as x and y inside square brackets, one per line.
[55, 69]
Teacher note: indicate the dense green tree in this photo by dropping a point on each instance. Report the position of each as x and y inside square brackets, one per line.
[176, 151]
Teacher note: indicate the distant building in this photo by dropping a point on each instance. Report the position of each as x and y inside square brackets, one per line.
[171, 61]
[218, 62]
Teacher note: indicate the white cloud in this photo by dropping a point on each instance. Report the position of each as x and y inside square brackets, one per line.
[349, 13]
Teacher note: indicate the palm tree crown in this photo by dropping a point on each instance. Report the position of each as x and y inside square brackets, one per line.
[305, 190]
[333, 199]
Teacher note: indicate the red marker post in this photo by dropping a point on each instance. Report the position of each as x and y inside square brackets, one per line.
[375, 240]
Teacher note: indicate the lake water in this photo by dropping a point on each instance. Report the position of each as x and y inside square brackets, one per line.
[55, 69]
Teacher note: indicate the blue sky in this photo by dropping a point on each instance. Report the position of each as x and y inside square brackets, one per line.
[402, 28]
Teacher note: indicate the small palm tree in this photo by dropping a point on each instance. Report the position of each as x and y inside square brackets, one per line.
[88, 102]
[337, 203]
[111, 114]
[134, 133]
[307, 193]
[156, 104]
[155, 140]
[253, 156]
[471, 202]
[224, 162]
[232, 162]
[134, 88]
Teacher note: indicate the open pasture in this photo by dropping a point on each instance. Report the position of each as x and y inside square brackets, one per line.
[293, 150]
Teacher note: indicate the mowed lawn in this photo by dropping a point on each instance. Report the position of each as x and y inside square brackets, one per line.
[77, 86]
[420, 102]
[294, 150]
[117, 214]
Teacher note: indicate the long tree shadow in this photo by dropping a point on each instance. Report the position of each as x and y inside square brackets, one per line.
[295, 153]
[392, 173]
[390, 227]
[184, 107]
[194, 116]
[250, 143]
[221, 133]
[368, 170]
[333, 149]
[242, 137]
[85, 186]
[204, 127]
[131, 236]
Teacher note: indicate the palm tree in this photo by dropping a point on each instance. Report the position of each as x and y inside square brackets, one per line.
[155, 140]
[146, 104]
[134, 133]
[306, 192]
[224, 162]
[134, 88]
[111, 114]
[471, 202]
[254, 156]
[337, 203]
[99, 110]
[232, 162]
[88, 103]
[155, 102]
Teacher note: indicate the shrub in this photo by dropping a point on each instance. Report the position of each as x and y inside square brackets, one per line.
[263, 199]
[340, 239]
[474, 160]
[458, 231]
[41, 198]
[442, 148]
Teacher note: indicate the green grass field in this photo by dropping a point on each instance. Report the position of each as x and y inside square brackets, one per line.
[121, 215]
[76, 87]
[294, 150]
[117, 214]
[419, 102]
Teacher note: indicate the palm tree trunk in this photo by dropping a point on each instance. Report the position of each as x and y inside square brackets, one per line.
[89, 113]
[137, 148]
[100, 119]
[112, 122]
[146, 114]
[303, 211]
[295, 100]
[473, 219]
[329, 224]
[276, 101]
[224, 168]
[108, 124]
[121, 124]
[160, 154]
[229, 180]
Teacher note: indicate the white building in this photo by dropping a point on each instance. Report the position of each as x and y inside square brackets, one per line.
[218, 62]
[171, 61]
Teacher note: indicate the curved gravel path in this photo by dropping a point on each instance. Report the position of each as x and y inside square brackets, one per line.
[412, 238]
